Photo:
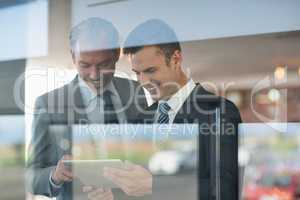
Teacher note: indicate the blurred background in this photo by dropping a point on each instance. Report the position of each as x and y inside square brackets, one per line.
[248, 51]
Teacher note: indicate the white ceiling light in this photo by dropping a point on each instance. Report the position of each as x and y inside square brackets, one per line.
[280, 73]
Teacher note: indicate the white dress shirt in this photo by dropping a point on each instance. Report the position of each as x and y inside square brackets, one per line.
[95, 104]
[176, 100]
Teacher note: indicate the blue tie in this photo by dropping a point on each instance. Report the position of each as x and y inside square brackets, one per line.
[163, 109]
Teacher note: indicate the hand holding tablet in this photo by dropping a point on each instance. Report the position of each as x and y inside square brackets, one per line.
[134, 180]
[90, 172]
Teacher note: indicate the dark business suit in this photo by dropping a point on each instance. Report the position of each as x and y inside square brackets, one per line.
[65, 106]
[192, 111]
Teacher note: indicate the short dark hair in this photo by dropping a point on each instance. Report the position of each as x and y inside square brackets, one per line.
[153, 32]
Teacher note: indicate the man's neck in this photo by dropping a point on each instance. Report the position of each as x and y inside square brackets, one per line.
[181, 83]
[96, 91]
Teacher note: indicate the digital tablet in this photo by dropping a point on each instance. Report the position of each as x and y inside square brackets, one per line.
[90, 172]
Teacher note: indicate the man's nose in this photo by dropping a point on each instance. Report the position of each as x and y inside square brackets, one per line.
[142, 78]
[95, 72]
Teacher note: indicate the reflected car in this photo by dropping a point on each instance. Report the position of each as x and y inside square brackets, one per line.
[172, 162]
[274, 186]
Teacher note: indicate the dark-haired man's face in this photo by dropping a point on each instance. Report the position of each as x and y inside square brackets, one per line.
[96, 68]
[154, 73]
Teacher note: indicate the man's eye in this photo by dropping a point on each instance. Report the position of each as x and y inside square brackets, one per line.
[83, 65]
[106, 65]
[150, 70]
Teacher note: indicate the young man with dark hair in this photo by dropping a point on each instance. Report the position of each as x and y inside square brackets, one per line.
[156, 58]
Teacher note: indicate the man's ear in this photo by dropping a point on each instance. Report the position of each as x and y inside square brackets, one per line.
[177, 59]
[117, 54]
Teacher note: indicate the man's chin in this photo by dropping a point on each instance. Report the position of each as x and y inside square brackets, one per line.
[96, 84]
[100, 84]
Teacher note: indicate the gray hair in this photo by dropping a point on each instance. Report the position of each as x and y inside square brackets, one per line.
[94, 34]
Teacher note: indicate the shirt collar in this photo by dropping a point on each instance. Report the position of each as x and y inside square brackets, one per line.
[88, 94]
[177, 100]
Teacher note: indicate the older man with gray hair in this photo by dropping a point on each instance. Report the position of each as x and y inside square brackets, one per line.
[94, 96]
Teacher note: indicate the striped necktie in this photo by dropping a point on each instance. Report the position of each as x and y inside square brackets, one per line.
[163, 109]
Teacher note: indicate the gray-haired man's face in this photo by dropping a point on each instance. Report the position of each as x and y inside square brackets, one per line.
[96, 68]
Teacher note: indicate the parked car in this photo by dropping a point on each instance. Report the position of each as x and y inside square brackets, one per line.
[172, 162]
[274, 186]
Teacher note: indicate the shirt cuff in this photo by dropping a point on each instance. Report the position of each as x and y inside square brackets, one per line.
[54, 185]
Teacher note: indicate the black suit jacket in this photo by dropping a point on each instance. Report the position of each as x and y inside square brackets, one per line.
[199, 108]
[65, 106]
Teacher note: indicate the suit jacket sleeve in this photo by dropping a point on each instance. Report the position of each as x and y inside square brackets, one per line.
[42, 153]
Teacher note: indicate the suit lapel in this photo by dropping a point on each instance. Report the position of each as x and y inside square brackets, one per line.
[185, 112]
[128, 91]
[150, 112]
[122, 90]
[197, 100]
[77, 109]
